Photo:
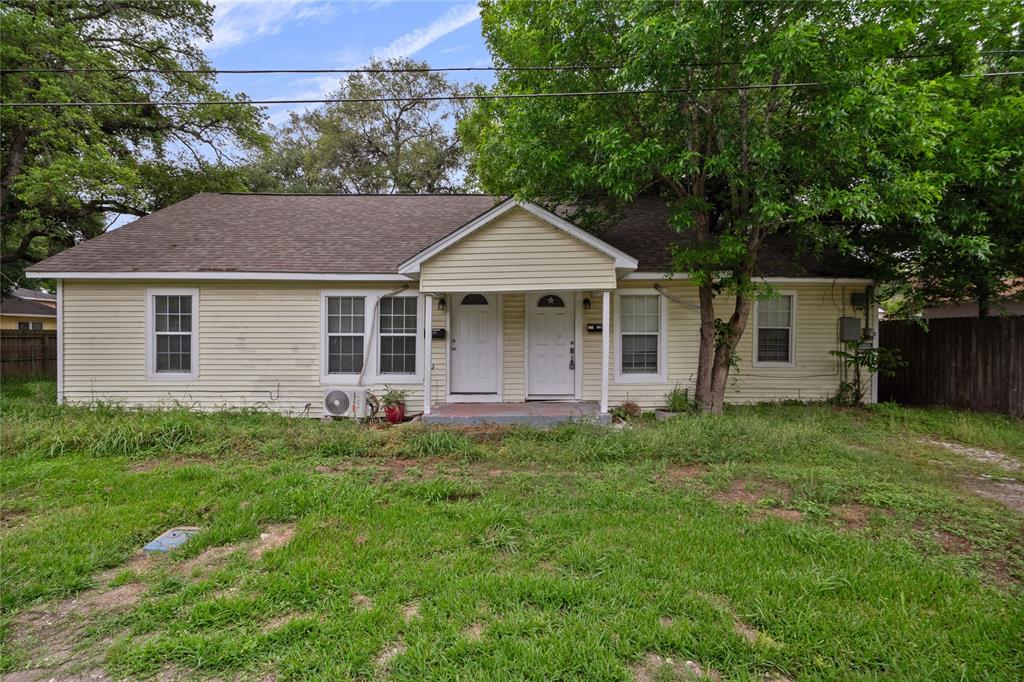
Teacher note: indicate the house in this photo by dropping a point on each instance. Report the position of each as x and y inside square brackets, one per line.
[272, 300]
[28, 310]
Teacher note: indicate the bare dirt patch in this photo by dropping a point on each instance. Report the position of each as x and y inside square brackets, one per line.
[953, 544]
[739, 626]
[275, 536]
[770, 498]
[474, 632]
[666, 621]
[410, 612]
[279, 622]
[981, 455]
[654, 667]
[778, 513]
[1010, 494]
[682, 474]
[51, 635]
[855, 516]
[361, 602]
[382, 663]
[207, 561]
[752, 491]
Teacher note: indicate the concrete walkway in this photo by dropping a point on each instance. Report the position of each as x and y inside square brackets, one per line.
[531, 413]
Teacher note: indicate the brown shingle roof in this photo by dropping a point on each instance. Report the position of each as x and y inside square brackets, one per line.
[344, 234]
[19, 306]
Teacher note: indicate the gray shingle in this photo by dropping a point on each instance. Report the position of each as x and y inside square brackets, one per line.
[348, 234]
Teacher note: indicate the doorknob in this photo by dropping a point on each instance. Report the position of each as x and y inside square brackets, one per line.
[572, 355]
[453, 343]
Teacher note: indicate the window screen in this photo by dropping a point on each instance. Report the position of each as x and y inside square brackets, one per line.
[640, 325]
[397, 335]
[172, 325]
[346, 324]
[775, 329]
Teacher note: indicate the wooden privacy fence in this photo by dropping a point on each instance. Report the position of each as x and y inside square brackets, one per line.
[28, 353]
[964, 362]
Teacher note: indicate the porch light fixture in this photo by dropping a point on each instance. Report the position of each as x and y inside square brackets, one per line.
[441, 304]
[586, 304]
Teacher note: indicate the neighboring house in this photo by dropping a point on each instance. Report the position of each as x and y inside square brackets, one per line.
[28, 310]
[271, 300]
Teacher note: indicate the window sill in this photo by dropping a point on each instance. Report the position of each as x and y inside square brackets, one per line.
[168, 376]
[778, 365]
[641, 379]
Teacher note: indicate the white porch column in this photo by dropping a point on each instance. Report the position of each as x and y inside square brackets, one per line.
[428, 345]
[606, 298]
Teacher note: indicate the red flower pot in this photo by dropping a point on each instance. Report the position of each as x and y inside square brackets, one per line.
[395, 413]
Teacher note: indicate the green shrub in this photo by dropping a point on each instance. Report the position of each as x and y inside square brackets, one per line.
[678, 400]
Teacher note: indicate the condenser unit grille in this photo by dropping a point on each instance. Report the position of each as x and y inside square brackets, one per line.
[338, 403]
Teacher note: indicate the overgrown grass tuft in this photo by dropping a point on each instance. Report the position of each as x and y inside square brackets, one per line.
[569, 553]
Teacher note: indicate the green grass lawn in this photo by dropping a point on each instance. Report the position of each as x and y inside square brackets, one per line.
[774, 542]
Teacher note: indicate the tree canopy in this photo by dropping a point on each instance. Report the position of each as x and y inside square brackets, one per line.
[67, 172]
[407, 145]
[843, 160]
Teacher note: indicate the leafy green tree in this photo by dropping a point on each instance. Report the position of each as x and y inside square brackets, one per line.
[826, 163]
[974, 248]
[67, 172]
[407, 145]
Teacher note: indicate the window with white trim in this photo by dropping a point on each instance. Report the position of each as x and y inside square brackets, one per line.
[23, 326]
[397, 335]
[639, 334]
[775, 330]
[173, 329]
[37, 326]
[346, 325]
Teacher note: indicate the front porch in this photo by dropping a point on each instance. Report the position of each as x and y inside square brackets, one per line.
[534, 413]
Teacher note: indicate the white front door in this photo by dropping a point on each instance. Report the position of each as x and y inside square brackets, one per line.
[474, 343]
[551, 351]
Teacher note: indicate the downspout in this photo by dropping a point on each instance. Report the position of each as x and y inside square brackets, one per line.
[373, 325]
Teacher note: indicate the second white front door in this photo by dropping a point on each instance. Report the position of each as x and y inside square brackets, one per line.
[551, 350]
[474, 343]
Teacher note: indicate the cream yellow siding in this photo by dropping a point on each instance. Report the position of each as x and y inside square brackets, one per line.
[11, 321]
[259, 346]
[514, 350]
[815, 374]
[517, 252]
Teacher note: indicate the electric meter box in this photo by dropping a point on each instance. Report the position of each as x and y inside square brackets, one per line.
[849, 329]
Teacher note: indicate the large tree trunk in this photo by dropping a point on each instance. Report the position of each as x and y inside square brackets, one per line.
[706, 349]
[726, 350]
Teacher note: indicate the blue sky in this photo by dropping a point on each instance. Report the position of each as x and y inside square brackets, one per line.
[307, 34]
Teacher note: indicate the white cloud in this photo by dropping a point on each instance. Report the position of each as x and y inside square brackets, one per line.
[240, 21]
[317, 87]
[417, 39]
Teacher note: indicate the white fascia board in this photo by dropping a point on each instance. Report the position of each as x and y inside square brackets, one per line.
[623, 261]
[191, 275]
[661, 276]
[45, 317]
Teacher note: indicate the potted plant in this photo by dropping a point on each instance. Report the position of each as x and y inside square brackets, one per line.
[393, 400]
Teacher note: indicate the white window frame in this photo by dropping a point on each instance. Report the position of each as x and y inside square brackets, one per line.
[792, 333]
[661, 376]
[371, 341]
[325, 341]
[151, 372]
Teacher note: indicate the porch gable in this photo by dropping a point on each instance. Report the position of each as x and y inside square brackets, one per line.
[518, 247]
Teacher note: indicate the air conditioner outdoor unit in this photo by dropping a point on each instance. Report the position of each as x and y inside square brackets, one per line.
[347, 402]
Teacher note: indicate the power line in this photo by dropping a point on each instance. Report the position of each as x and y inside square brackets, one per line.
[426, 69]
[462, 97]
